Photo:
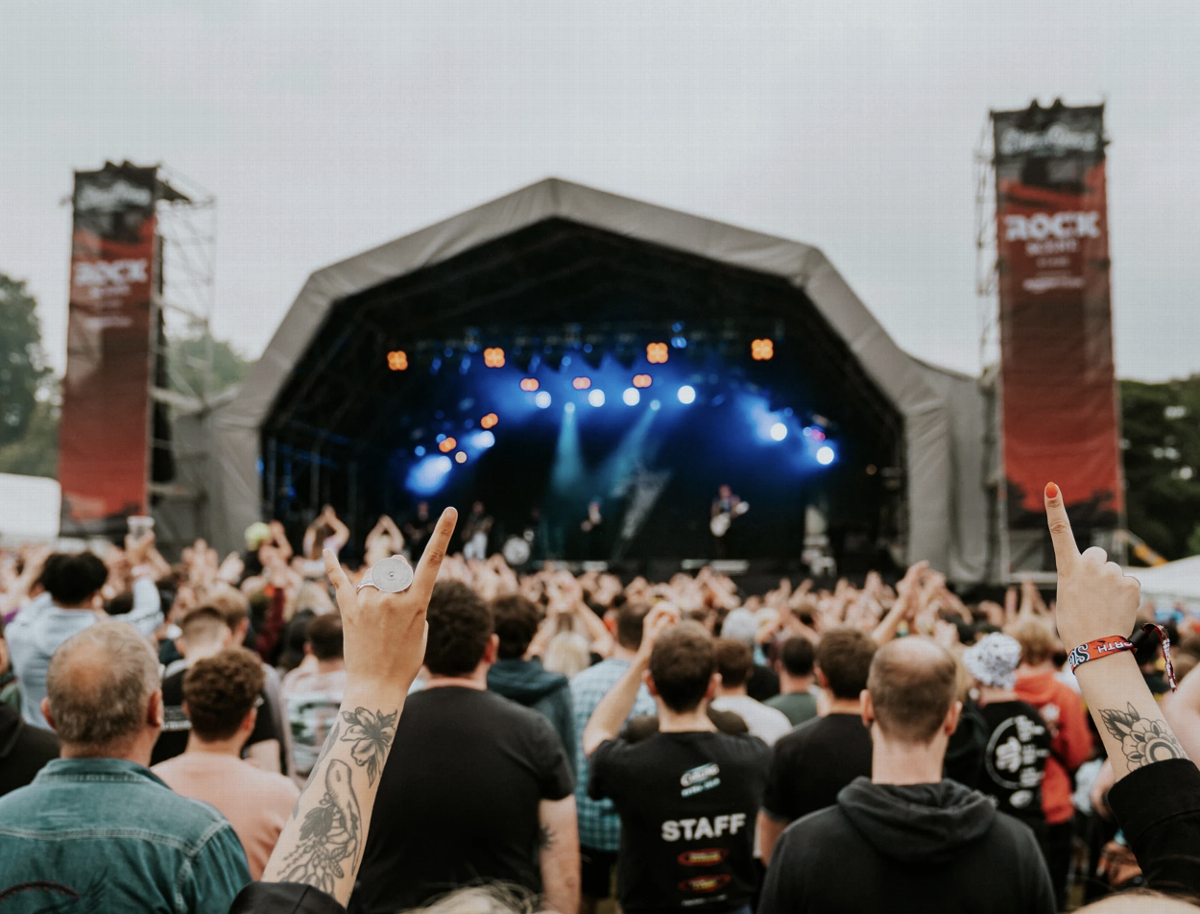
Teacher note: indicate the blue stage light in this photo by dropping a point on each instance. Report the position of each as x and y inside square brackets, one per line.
[655, 405]
[687, 394]
[483, 440]
[678, 342]
[429, 474]
[542, 399]
[596, 398]
[825, 455]
[440, 438]
[631, 396]
[419, 450]
[569, 408]
[778, 431]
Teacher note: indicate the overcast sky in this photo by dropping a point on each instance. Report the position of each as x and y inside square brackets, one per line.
[325, 129]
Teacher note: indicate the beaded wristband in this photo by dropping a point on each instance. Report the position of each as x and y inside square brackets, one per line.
[1114, 644]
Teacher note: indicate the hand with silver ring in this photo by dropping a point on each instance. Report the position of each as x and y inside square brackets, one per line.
[390, 575]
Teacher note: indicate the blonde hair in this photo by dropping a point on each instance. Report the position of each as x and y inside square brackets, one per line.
[567, 653]
[1036, 639]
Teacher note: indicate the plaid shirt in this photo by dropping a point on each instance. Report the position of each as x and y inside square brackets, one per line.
[599, 825]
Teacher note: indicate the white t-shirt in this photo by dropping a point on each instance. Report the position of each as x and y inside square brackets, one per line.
[766, 723]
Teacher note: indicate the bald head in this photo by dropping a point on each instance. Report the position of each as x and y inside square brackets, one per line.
[98, 687]
[913, 683]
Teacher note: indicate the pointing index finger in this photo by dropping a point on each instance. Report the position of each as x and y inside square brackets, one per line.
[435, 551]
[1066, 552]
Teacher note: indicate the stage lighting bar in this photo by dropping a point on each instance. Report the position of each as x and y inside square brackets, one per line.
[447, 445]
[656, 353]
[596, 397]
[779, 431]
[687, 394]
[397, 360]
[642, 381]
[529, 384]
[581, 383]
[631, 396]
[825, 455]
[762, 350]
[494, 357]
[489, 420]
[542, 399]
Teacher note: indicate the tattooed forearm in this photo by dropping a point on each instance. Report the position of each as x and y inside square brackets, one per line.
[331, 836]
[372, 733]
[545, 837]
[1143, 740]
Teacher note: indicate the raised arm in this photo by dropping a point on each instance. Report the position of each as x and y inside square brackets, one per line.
[384, 635]
[606, 721]
[1097, 600]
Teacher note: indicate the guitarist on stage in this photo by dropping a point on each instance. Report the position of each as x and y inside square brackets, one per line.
[726, 507]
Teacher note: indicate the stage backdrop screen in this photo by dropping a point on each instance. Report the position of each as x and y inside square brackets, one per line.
[106, 390]
[1058, 394]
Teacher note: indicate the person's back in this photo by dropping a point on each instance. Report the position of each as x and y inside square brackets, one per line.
[314, 691]
[907, 839]
[920, 847]
[220, 695]
[795, 669]
[735, 661]
[463, 795]
[96, 827]
[69, 606]
[459, 796]
[811, 765]
[526, 681]
[688, 795]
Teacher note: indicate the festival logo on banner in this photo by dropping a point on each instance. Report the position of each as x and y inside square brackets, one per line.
[1058, 390]
[106, 390]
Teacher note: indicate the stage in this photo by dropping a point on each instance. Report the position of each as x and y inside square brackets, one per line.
[562, 350]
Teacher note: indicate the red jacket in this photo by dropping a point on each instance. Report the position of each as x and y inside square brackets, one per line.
[1062, 710]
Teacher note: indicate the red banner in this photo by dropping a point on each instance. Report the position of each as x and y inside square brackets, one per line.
[103, 434]
[1058, 389]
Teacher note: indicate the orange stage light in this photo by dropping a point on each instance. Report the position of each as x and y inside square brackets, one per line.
[397, 360]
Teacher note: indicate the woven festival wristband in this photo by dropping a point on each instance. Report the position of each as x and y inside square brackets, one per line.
[1115, 644]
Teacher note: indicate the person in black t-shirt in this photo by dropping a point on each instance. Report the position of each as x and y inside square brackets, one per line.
[816, 760]
[477, 788]
[206, 634]
[1018, 745]
[688, 795]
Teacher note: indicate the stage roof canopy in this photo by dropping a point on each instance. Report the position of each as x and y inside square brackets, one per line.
[615, 238]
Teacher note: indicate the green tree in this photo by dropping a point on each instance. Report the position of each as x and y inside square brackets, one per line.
[188, 358]
[23, 368]
[1161, 424]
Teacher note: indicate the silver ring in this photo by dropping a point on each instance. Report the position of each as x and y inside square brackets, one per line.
[390, 575]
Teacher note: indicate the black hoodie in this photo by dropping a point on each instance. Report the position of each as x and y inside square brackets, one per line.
[23, 750]
[924, 847]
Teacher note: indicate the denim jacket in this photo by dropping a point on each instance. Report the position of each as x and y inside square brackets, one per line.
[106, 836]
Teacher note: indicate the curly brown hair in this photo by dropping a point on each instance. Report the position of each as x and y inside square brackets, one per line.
[220, 691]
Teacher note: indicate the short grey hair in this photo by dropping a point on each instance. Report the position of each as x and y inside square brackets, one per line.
[99, 683]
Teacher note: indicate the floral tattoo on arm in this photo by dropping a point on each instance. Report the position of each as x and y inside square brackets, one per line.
[372, 734]
[1143, 741]
[331, 836]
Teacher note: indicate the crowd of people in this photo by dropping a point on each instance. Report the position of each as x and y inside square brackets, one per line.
[488, 741]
